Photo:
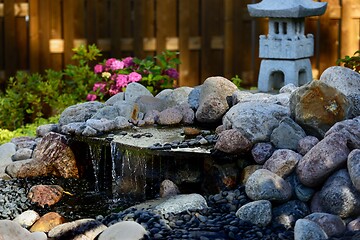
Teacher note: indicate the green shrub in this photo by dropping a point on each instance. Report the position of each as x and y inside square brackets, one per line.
[29, 97]
[351, 62]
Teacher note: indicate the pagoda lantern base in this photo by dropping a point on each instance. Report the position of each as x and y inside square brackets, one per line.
[275, 73]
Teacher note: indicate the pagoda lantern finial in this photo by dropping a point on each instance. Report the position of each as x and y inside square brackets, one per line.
[286, 49]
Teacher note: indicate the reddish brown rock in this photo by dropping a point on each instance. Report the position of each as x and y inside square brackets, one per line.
[52, 156]
[190, 131]
[318, 106]
[45, 194]
[323, 159]
[233, 141]
[47, 222]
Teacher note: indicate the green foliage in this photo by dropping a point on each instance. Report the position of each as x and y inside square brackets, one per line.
[158, 72]
[29, 97]
[27, 130]
[351, 62]
[237, 81]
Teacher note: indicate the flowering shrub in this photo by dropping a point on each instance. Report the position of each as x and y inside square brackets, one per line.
[155, 73]
[351, 62]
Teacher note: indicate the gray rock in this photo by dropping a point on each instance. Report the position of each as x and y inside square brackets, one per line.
[308, 230]
[306, 143]
[78, 229]
[126, 109]
[121, 123]
[262, 151]
[27, 219]
[283, 162]
[7, 150]
[182, 202]
[257, 212]
[12, 230]
[288, 213]
[287, 135]
[101, 125]
[187, 112]
[302, 192]
[322, 160]
[135, 90]
[176, 97]
[24, 142]
[354, 225]
[89, 132]
[353, 166]
[128, 230]
[331, 224]
[265, 185]
[244, 96]
[151, 117]
[164, 94]
[233, 141]
[194, 97]
[150, 103]
[338, 196]
[255, 121]
[317, 106]
[347, 82]
[107, 112]
[73, 128]
[213, 104]
[119, 97]
[288, 88]
[168, 188]
[22, 154]
[350, 129]
[45, 129]
[79, 112]
[170, 116]
[13, 168]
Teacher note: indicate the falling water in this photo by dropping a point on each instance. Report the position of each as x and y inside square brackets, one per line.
[95, 156]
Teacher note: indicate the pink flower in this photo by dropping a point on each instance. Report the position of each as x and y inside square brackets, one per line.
[134, 77]
[91, 97]
[121, 80]
[128, 62]
[113, 90]
[171, 72]
[99, 85]
[98, 68]
[116, 65]
[108, 63]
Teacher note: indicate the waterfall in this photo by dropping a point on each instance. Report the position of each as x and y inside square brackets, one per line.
[95, 156]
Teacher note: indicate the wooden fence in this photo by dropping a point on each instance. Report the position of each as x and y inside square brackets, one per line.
[214, 37]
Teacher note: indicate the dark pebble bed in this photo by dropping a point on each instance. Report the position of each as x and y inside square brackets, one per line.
[218, 221]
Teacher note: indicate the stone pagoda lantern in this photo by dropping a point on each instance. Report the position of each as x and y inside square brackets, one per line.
[286, 49]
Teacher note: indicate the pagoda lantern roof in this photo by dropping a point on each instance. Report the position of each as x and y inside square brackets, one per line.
[287, 8]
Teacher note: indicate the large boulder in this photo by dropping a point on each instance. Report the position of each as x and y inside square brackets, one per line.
[317, 106]
[52, 156]
[174, 97]
[353, 166]
[182, 202]
[12, 230]
[257, 212]
[347, 82]
[213, 104]
[331, 224]
[323, 159]
[283, 162]
[350, 129]
[306, 230]
[255, 121]
[79, 112]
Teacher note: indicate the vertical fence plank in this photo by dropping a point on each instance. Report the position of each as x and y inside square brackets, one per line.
[229, 39]
[21, 39]
[91, 21]
[189, 42]
[34, 38]
[166, 26]
[121, 28]
[69, 8]
[10, 38]
[2, 49]
[212, 32]
[56, 33]
[144, 23]
[44, 34]
[350, 29]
